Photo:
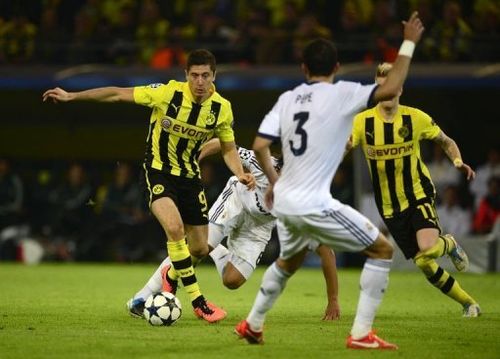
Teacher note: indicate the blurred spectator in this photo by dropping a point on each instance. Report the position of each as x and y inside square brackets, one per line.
[89, 37]
[443, 172]
[486, 22]
[387, 30]
[72, 211]
[452, 217]
[489, 208]
[449, 39]
[352, 33]
[479, 187]
[11, 211]
[309, 28]
[121, 214]
[11, 196]
[51, 39]
[254, 36]
[40, 209]
[17, 40]
[123, 49]
[152, 33]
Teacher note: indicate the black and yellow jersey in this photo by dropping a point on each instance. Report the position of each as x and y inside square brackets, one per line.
[392, 150]
[179, 126]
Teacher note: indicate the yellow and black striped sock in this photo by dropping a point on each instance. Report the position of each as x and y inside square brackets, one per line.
[183, 267]
[442, 280]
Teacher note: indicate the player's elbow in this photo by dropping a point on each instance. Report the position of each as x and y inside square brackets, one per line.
[386, 92]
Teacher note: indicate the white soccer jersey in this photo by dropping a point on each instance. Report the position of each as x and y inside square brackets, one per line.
[253, 201]
[314, 122]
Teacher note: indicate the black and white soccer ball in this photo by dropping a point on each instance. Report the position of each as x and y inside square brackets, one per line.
[162, 309]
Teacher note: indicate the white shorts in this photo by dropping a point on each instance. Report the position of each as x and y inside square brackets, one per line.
[344, 229]
[247, 235]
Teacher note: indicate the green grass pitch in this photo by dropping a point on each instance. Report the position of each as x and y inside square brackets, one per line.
[77, 311]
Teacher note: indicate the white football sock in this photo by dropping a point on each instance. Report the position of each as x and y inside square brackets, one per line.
[154, 283]
[220, 256]
[373, 283]
[273, 283]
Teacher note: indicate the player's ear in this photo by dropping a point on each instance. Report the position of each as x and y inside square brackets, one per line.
[215, 72]
[187, 75]
[336, 67]
[304, 69]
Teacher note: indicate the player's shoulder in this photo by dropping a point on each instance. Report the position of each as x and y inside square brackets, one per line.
[370, 112]
[414, 112]
[217, 97]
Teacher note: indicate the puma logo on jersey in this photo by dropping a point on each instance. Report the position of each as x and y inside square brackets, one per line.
[369, 134]
[176, 108]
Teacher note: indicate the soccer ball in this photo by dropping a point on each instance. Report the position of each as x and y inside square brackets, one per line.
[162, 309]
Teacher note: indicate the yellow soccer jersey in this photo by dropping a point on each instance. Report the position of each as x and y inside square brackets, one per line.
[392, 150]
[179, 126]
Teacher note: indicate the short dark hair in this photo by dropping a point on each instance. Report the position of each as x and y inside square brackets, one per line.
[320, 57]
[201, 57]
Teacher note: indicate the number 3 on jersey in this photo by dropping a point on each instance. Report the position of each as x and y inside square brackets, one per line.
[301, 118]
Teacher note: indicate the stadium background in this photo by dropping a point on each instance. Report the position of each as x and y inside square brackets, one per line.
[83, 44]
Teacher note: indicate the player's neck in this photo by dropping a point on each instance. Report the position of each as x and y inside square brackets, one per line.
[312, 79]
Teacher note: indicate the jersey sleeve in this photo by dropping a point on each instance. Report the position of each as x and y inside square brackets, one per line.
[357, 96]
[429, 128]
[151, 95]
[224, 130]
[357, 130]
[270, 125]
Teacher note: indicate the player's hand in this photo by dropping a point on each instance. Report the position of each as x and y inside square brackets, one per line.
[332, 311]
[469, 172]
[57, 95]
[413, 28]
[247, 179]
[269, 197]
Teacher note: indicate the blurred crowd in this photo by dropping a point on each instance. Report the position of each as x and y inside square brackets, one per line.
[158, 33]
[83, 212]
[98, 213]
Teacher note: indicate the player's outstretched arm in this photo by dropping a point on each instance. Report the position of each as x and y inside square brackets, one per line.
[451, 149]
[101, 94]
[413, 29]
[329, 267]
[233, 162]
[209, 148]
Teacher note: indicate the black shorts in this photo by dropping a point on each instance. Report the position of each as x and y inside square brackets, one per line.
[187, 194]
[404, 226]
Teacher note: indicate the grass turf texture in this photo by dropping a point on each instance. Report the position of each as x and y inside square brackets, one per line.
[77, 310]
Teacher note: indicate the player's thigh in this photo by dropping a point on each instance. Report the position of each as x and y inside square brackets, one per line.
[292, 235]
[343, 229]
[167, 213]
[237, 270]
[226, 205]
[248, 242]
[215, 234]
[192, 202]
[403, 233]
[426, 224]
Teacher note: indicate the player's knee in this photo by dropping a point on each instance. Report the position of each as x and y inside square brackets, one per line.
[381, 248]
[199, 252]
[174, 231]
[233, 280]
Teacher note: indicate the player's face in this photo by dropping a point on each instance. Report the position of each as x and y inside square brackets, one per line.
[200, 79]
